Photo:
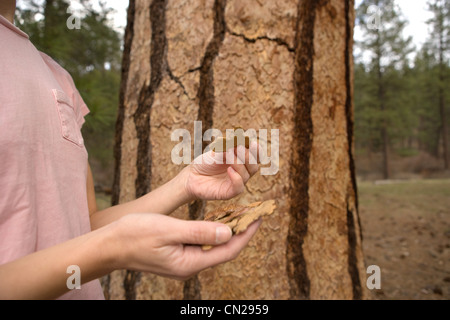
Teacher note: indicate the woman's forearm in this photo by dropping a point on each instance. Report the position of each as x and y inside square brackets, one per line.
[43, 274]
[163, 200]
[146, 242]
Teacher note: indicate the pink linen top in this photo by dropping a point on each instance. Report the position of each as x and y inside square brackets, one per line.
[43, 161]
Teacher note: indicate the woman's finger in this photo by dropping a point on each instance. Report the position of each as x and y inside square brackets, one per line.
[246, 157]
[237, 181]
[199, 259]
[199, 232]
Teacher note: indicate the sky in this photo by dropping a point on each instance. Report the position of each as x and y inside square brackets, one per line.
[416, 14]
[413, 10]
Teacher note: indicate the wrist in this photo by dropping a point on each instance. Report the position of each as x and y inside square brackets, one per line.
[180, 186]
[113, 254]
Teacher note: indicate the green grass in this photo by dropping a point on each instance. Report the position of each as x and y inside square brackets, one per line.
[425, 195]
[407, 152]
[408, 187]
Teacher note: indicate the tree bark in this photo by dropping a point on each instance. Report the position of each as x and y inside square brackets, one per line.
[283, 65]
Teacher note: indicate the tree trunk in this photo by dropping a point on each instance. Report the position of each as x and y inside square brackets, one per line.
[442, 94]
[381, 100]
[385, 143]
[444, 130]
[283, 65]
[384, 131]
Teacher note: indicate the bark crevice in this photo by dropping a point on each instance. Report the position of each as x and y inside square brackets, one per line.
[278, 41]
[128, 39]
[352, 259]
[299, 282]
[178, 81]
[351, 214]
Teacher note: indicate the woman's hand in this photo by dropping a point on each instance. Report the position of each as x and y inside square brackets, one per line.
[209, 177]
[145, 242]
[220, 176]
[171, 248]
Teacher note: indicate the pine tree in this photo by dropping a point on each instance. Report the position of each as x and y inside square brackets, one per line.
[439, 44]
[425, 100]
[386, 50]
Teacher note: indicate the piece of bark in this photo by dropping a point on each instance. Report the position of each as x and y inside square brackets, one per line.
[239, 217]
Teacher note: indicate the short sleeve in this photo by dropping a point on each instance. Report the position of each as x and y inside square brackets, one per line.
[68, 86]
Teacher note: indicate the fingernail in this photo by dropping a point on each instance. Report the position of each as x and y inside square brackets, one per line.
[223, 234]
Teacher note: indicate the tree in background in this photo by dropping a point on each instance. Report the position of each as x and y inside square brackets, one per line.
[425, 99]
[386, 51]
[439, 45]
[91, 54]
[415, 92]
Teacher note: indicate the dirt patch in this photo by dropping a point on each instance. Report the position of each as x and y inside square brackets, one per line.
[406, 230]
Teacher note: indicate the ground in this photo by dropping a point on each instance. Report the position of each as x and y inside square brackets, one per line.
[406, 232]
